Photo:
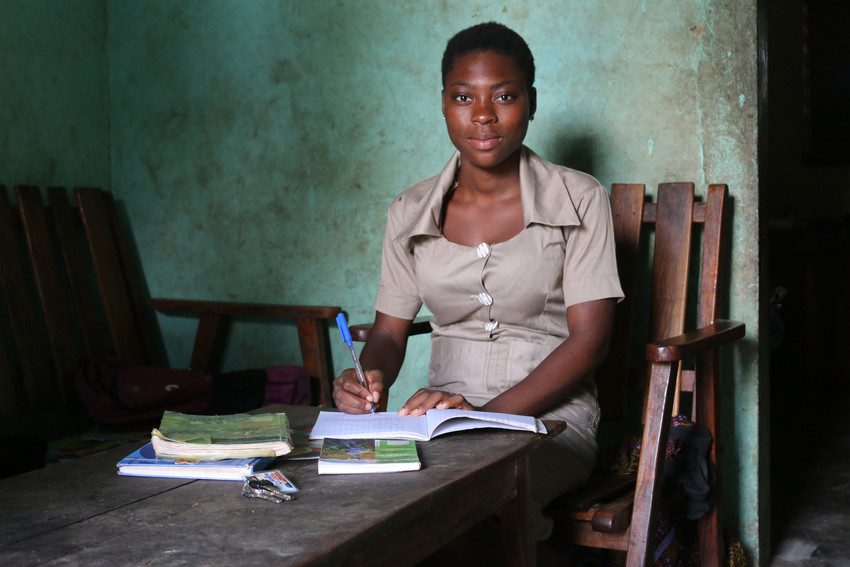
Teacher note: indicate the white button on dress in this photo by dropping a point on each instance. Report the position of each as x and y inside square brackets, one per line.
[484, 298]
[483, 251]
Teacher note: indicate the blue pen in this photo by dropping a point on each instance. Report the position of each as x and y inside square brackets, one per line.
[346, 338]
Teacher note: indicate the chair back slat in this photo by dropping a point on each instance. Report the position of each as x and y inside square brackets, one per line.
[117, 304]
[34, 369]
[314, 348]
[712, 248]
[147, 325]
[671, 259]
[627, 210]
[58, 315]
[68, 225]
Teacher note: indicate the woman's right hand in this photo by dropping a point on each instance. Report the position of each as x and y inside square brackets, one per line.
[351, 397]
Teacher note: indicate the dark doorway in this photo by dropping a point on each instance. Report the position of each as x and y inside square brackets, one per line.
[804, 171]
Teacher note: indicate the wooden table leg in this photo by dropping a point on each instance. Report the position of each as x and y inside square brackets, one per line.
[517, 533]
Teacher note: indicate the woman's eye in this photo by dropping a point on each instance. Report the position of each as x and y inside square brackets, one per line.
[462, 98]
[505, 97]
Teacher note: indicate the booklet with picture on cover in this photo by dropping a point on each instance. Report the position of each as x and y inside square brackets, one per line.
[352, 456]
[390, 425]
[144, 462]
[215, 437]
[303, 448]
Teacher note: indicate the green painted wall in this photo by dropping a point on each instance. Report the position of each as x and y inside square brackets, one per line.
[256, 144]
[54, 120]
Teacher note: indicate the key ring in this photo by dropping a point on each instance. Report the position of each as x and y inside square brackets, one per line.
[265, 489]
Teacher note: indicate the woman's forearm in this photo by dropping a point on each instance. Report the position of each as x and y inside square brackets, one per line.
[385, 347]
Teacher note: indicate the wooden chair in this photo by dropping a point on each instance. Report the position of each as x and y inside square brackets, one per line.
[617, 511]
[608, 513]
[73, 290]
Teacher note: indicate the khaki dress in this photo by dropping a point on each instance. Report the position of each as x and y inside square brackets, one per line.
[500, 309]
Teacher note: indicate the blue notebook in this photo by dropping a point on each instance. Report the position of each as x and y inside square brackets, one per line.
[144, 462]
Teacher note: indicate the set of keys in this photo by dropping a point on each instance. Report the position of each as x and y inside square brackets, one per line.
[262, 488]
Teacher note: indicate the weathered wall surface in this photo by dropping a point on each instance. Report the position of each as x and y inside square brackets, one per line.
[54, 124]
[256, 146]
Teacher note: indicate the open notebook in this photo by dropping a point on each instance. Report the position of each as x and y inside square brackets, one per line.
[390, 425]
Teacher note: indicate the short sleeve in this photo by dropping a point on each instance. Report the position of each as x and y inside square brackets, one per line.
[398, 294]
[590, 263]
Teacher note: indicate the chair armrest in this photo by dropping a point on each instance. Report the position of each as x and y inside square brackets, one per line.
[707, 338]
[214, 318]
[605, 502]
[614, 517]
[235, 309]
[419, 326]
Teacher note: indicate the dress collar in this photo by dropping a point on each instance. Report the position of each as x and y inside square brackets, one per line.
[544, 195]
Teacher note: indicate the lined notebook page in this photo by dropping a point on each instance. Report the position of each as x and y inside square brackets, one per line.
[347, 426]
[521, 421]
[389, 425]
[445, 421]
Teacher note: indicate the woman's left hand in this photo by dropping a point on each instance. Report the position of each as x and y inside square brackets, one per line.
[425, 399]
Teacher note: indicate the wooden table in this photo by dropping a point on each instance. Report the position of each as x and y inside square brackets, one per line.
[82, 512]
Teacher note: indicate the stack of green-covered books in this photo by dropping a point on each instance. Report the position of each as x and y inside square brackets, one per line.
[226, 447]
[216, 437]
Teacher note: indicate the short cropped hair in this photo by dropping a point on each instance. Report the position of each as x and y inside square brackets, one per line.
[490, 36]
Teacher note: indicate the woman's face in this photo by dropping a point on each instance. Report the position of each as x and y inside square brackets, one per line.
[487, 106]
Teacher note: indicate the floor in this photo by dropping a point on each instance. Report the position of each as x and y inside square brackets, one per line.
[811, 513]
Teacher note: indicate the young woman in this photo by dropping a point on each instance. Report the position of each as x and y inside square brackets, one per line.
[514, 257]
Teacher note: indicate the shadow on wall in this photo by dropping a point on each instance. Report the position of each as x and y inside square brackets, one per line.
[576, 152]
[147, 316]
